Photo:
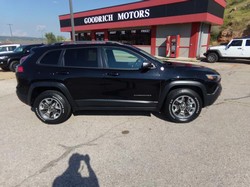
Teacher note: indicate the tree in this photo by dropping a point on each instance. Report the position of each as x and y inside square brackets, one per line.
[60, 38]
[51, 38]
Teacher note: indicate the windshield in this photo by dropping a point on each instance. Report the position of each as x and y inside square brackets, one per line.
[19, 49]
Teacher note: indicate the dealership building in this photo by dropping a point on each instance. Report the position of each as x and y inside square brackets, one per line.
[169, 28]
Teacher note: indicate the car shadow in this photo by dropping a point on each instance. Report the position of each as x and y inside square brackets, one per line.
[122, 113]
[73, 176]
[226, 61]
[113, 113]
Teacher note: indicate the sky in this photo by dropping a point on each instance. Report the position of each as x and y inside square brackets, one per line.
[34, 18]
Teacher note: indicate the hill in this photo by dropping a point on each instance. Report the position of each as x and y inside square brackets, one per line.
[236, 22]
[21, 40]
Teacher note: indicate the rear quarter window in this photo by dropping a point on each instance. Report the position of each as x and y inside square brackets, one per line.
[248, 43]
[51, 58]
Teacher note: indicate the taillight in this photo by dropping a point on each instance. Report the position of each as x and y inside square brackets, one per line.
[20, 69]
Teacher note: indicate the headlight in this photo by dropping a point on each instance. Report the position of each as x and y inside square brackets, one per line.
[213, 77]
[3, 57]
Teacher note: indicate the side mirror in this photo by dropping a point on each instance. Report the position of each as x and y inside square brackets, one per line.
[147, 65]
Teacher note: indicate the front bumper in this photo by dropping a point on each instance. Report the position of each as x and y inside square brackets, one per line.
[211, 98]
[3, 63]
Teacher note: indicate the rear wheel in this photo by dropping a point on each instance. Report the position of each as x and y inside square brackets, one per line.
[183, 105]
[52, 107]
[212, 57]
[13, 65]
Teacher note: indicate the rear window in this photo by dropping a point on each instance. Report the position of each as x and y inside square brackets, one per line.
[51, 58]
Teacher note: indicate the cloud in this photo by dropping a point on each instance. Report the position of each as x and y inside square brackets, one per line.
[19, 33]
[40, 28]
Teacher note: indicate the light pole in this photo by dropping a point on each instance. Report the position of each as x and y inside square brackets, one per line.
[10, 29]
[72, 20]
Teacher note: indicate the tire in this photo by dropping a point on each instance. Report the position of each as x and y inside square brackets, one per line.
[13, 65]
[212, 57]
[182, 105]
[59, 108]
[5, 69]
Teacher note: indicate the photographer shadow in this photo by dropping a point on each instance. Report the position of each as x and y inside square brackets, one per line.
[73, 176]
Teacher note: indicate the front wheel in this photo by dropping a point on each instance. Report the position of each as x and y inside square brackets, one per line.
[212, 57]
[5, 69]
[182, 105]
[52, 107]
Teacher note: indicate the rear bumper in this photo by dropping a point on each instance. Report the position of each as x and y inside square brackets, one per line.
[211, 98]
[22, 97]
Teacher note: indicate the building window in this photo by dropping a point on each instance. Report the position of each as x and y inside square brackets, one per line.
[86, 36]
[133, 37]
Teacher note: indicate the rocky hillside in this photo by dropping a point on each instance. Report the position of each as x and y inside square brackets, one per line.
[236, 22]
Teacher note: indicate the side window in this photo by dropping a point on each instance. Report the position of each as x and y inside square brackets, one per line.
[248, 43]
[51, 58]
[12, 48]
[236, 43]
[81, 57]
[122, 59]
[3, 49]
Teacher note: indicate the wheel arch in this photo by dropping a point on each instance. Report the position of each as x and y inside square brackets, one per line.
[39, 87]
[215, 51]
[196, 86]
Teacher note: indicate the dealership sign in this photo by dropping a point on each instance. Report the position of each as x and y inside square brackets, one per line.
[121, 16]
[160, 11]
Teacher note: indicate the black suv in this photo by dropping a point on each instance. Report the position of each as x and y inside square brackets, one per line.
[59, 80]
[9, 61]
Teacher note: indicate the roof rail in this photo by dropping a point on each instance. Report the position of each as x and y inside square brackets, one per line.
[86, 42]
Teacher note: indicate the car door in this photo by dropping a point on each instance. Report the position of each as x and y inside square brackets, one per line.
[234, 49]
[83, 73]
[246, 49]
[125, 85]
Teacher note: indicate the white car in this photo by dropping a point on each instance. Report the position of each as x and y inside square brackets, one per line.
[8, 48]
[238, 48]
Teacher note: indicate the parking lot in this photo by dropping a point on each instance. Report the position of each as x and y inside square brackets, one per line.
[130, 150]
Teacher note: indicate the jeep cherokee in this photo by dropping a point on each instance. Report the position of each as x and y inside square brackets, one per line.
[59, 80]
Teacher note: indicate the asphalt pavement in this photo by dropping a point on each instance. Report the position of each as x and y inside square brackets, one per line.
[109, 150]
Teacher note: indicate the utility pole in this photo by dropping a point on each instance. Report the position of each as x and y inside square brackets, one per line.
[72, 20]
[10, 29]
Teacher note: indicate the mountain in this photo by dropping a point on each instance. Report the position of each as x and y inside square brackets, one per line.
[236, 22]
[21, 40]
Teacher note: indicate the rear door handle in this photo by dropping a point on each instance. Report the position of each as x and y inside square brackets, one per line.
[62, 73]
[113, 74]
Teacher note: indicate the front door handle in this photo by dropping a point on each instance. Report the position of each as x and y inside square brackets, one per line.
[113, 74]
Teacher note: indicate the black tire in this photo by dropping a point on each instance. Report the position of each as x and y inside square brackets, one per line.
[5, 69]
[13, 65]
[52, 107]
[212, 57]
[182, 105]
